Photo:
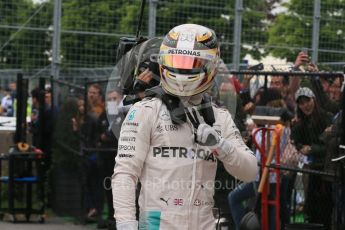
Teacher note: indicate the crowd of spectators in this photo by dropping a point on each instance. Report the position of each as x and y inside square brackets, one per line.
[311, 123]
[7, 97]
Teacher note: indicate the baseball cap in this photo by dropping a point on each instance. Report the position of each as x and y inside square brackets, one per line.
[304, 91]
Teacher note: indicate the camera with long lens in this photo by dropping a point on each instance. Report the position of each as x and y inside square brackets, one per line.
[125, 44]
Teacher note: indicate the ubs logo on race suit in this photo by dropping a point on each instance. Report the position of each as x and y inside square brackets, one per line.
[183, 152]
[167, 128]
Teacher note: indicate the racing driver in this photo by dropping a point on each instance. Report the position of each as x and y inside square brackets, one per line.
[171, 142]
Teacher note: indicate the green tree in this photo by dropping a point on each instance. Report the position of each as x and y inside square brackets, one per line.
[23, 38]
[11, 15]
[292, 30]
[218, 15]
[113, 18]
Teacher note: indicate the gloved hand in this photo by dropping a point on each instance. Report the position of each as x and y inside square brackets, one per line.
[131, 225]
[208, 136]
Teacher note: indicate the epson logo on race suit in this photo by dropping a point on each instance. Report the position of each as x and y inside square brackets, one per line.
[184, 52]
[126, 147]
[182, 152]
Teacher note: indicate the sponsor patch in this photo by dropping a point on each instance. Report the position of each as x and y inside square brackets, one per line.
[129, 131]
[126, 155]
[182, 152]
[184, 52]
[127, 147]
[164, 115]
[167, 128]
[198, 202]
[165, 200]
[128, 139]
[135, 124]
[131, 115]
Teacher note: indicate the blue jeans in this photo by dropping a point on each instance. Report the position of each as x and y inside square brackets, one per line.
[244, 192]
[236, 197]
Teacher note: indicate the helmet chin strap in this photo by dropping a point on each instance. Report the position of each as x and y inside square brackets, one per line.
[191, 101]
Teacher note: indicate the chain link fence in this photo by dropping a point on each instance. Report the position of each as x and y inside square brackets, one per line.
[76, 44]
[87, 32]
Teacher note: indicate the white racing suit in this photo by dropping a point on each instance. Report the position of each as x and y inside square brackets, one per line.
[177, 175]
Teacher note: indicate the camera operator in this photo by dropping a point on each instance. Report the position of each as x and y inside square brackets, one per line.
[139, 71]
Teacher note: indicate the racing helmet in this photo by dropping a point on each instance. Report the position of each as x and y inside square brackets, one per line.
[188, 59]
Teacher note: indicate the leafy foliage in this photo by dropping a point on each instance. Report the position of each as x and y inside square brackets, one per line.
[21, 47]
[294, 29]
[91, 28]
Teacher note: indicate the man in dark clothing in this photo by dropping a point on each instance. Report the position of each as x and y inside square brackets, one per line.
[108, 142]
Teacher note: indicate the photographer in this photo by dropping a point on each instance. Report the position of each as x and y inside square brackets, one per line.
[138, 71]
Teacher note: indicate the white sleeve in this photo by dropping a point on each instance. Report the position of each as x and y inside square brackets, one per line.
[123, 186]
[237, 158]
[133, 147]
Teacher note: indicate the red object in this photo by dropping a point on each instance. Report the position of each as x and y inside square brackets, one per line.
[236, 83]
[178, 202]
[37, 150]
[265, 202]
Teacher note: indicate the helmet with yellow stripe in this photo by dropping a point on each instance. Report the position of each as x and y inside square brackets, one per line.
[188, 59]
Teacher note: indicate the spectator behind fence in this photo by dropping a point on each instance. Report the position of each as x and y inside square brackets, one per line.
[33, 125]
[44, 139]
[78, 120]
[282, 84]
[7, 104]
[108, 141]
[329, 100]
[248, 191]
[335, 89]
[312, 121]
[86, 125]
[50, 117]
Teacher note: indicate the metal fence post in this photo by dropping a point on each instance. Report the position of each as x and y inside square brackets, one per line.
[56, 39]
[237, 34]
[55, 66]
[316, 31]
[152, 18]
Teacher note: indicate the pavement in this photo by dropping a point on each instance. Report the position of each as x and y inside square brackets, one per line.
[51, 223]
